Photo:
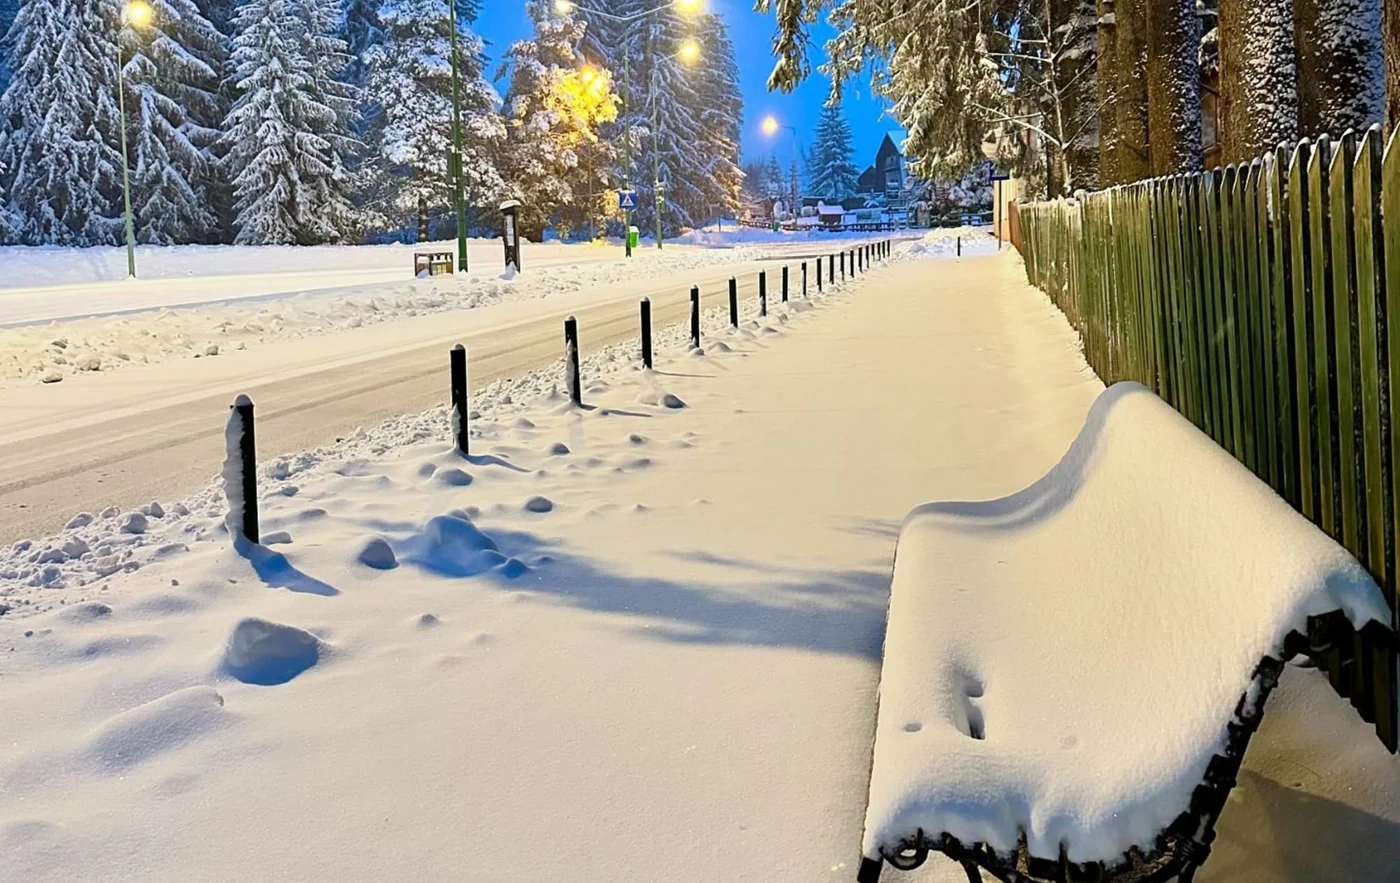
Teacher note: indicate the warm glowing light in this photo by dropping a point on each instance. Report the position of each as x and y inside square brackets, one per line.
[563, 7]
[770, 125]
[139, 13]
[589, 74]
[690, 51]
[689, 6]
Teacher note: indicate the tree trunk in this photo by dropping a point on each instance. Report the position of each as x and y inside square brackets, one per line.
[1391, 27]
[1131, 79]
[1173, 86]
[1341, 69]
[1258, 78]
[1107, 60]
[1078, 75]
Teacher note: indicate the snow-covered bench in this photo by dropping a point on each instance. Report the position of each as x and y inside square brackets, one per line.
[1071, 674]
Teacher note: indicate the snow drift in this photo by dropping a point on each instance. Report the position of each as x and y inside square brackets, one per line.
[1081, 703]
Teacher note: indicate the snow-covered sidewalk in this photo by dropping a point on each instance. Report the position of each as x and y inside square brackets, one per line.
[637, 642]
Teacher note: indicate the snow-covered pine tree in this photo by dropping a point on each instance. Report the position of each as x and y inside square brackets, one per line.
[288, 126]
[60, 150]
[410, 74]
[171, 71]
[8, 10]
[698, 108]
[720, 112]
[833, 173]
[776, 186]
[554, 105]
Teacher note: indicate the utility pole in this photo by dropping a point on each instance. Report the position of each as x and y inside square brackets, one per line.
[455, 161]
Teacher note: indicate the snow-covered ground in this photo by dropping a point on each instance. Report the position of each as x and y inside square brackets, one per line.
[233, 312]
[538, 663]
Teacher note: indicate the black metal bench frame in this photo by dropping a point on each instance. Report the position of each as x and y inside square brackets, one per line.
[1185, 845]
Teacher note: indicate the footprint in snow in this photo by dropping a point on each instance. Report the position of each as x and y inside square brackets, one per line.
[539, 504]
[454, 477]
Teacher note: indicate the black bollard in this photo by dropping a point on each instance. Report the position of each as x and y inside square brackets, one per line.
[762, 293]
[843, 266]
[804, 280]
[959, 241]
[247, 465]
[695, 316]
[733, 302]
[785, 283]
[571, 374]
[458, 375]
[646, 332]
[830, 269]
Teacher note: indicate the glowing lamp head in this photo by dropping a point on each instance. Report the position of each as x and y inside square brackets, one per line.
[770, 125]
[588, 74]
[563, 7]
[139, 13]
[690, 51]
[690, 7]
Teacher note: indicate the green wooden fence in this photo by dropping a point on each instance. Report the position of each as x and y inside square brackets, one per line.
[1263, 302]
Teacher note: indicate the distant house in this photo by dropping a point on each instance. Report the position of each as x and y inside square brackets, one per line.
[885, 179]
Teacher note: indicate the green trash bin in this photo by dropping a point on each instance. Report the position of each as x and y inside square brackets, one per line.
[633, 236]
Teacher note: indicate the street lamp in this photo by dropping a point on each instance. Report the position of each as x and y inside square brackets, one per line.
[770, 128]
[138, 14]
[688, 7]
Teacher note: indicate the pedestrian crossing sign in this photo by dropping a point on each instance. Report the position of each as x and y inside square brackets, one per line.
[627, 199]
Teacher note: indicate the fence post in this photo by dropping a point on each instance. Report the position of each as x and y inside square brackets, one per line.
[860, 259]
[458, 365]
[762, 293]
[646, 332]
[733, 302]
[785, 283]
[571, 374]
[959, 241]
[695, 316]
[830, 268]
[843, 266]
[247, 465]
[804, 279]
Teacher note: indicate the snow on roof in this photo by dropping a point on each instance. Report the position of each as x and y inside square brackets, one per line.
[824, 209]
[1065, 661]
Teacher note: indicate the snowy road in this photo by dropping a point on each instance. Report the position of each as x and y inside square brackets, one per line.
[154, 433]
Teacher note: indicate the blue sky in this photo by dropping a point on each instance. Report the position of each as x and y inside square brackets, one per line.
[503, 21]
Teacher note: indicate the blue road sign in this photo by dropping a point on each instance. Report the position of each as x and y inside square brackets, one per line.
[1000, 178]
[627, 199]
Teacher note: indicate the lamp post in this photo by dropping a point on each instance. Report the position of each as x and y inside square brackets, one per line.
[459, 201]
[138, 14]
[770, 127]
[690, 7]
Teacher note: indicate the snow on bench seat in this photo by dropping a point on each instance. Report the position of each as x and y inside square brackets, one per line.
[1065, 661]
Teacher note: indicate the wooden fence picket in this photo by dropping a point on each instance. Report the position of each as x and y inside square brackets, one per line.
[1258, 301]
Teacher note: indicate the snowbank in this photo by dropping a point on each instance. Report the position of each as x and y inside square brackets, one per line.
[943, 242]
[734, 236]
[50, 352]
[1065, 661]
